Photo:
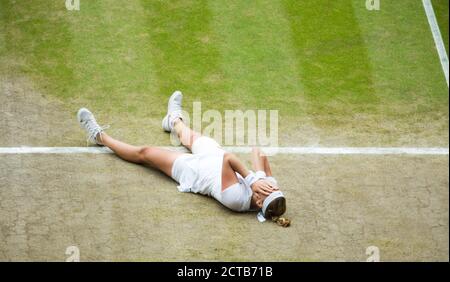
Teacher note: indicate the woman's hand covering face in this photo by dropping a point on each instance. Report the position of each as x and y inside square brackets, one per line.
[264, 187]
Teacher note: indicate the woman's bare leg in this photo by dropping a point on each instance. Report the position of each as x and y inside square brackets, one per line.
[158, 158]
[186, 135]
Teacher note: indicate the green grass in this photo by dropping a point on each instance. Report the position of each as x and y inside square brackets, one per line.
[331, 54]
[37, 41]
[327, 62]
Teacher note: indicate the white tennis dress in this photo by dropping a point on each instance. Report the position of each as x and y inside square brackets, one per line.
[201, 172]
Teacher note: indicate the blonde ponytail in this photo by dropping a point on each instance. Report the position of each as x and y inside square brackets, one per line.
[282, 221]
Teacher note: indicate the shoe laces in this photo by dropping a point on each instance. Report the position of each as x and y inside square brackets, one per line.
[93, 130]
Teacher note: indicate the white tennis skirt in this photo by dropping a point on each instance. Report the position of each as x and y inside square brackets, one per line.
[201, 171]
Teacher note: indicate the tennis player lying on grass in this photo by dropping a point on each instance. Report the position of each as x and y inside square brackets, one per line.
[209, 170]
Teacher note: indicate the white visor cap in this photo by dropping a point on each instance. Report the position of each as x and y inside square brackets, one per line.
[266, 203]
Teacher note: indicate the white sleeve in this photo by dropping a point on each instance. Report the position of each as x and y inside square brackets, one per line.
[272, 179]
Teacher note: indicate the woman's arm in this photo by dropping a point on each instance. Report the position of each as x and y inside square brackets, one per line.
[259, 186]
[260, 162]
[236, 164]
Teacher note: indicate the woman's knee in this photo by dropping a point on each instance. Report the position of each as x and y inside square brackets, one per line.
[258, 153]
[144, 153]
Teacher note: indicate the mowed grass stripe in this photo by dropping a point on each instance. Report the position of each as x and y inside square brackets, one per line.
[335, 70]
[407, 74]
[112, 59]
[256, 56]
[333, 61]
[36, 40]
[114, 64]
[402, 53]
[99, 57]
[184, 54]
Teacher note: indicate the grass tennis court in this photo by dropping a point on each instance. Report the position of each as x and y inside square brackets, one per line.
[331, 69]
[338, 74]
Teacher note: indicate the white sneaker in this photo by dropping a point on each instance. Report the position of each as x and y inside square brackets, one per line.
[88, 122]
[173, 111]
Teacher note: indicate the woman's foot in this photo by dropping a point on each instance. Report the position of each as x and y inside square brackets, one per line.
[173, 111]
[88, 122]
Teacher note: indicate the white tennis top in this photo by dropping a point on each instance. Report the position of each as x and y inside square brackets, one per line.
[202, 173]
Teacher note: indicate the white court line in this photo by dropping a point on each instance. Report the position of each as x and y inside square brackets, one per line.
[437, 36]
[267, 150]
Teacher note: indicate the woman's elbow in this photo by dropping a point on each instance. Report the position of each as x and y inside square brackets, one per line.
[228, 157]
